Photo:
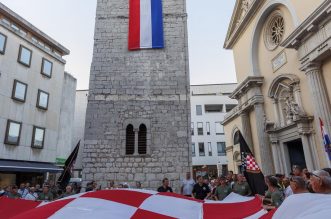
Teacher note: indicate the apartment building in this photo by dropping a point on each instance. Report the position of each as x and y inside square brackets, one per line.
[37, 99]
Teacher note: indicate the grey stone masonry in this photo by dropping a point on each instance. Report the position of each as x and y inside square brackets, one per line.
[148, 87]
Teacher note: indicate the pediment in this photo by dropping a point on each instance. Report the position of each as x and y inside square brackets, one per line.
[242, 13]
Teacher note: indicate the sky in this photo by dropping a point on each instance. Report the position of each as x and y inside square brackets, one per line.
[71, 23]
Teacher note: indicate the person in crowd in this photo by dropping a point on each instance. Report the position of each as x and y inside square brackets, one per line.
[215, 184]
[46, 195]
[165, 186]
[320, 181]
[187, 185]
[327, 170]
[53, 189]
[38, 189]
[68, 192]
[234, 180]
[229, 178]
[241, 187]
[201, 190]
[14, 193]
[111, 184]
[32, 195]
[126, 186]
[298, 185]
[223, 189]
[207, 181]
[280, 178]
[296, 170]
[138, 185]
[89, 187]
[7, 191]
[2, 191]
[287, 188]
[23, 191]
[274, 196]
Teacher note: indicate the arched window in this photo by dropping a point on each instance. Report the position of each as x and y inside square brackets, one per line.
[142, 139]
[129, 140]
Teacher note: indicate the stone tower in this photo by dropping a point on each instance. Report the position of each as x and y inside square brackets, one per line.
[138, 113]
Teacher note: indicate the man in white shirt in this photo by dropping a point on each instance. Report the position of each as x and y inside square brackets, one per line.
[32, 195]
[187, 185]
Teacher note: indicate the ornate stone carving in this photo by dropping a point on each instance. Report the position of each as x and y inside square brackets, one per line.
[245, 6]
[292, 109]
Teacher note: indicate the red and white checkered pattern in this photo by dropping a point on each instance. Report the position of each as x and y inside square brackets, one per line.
[251, 164]
[141, 204]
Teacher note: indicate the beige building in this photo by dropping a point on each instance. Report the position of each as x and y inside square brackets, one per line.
[37, 102]
[283, 62]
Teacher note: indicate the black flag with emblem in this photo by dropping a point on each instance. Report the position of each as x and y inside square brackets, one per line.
[64, 179]
[251, 169]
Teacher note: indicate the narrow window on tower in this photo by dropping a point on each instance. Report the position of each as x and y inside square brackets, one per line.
[129, 140]
[142, 139]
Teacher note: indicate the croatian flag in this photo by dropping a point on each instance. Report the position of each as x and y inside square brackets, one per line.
[326, 140]
[146, 24]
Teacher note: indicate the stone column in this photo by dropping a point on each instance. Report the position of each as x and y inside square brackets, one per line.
[264, 146]
[276, 112]
[308, 152]
[136, 132]
[319, 98]
[275, 156]
[246, 128]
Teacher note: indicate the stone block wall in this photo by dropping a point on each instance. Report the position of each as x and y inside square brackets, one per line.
[134, 87]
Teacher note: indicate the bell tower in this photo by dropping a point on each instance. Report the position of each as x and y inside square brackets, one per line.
[138, 113]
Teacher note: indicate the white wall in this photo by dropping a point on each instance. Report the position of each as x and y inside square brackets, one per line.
[202, 95]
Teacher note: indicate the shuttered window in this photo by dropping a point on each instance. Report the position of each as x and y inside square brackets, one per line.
[142, 139]
[129, 140]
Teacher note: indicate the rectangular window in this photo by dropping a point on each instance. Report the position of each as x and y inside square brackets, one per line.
[3, 42]
[201, 149]
[208, 128]
[200, 128]
[13, 132]
[42, 100]
[38, 137]
[210, 150]
[46, 68]
[219, 129]
[192, 128]
[199, 110]
[24, 56]
[221, 149]
[19, 91]
[229, 107]
[214, 108]
[193, 149]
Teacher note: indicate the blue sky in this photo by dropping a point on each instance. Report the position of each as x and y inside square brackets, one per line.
[71, 22]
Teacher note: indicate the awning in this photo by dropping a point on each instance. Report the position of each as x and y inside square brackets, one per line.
[28, 166]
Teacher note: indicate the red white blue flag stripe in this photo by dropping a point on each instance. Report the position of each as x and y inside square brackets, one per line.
[326, 140]
[146, 24]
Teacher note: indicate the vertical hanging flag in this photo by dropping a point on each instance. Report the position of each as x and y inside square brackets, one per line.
[251, 169]
[326, 140]
[146, 24]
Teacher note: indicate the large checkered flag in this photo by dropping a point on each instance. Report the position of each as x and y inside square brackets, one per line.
[251, 169]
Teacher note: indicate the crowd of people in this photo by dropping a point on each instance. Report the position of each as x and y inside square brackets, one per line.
[46, 192]
[279, 187]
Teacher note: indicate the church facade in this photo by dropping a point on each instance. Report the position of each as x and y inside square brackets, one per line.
[138, 112]
[283, 62]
